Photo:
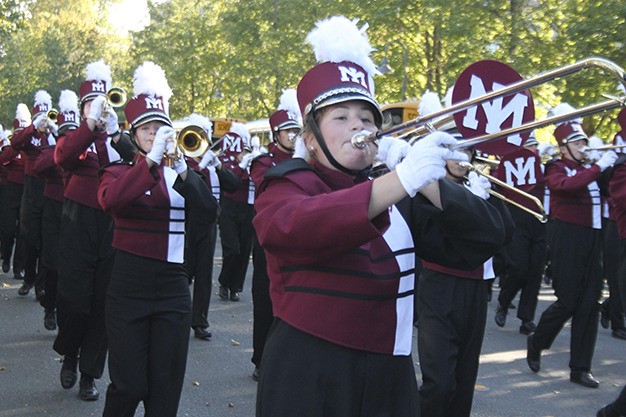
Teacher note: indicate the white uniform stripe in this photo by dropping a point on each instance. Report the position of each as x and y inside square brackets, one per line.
[176, 240]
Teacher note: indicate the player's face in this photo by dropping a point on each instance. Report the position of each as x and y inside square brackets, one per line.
[145, 133]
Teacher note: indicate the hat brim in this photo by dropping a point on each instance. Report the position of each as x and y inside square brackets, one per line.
[575, 137]
[289, 124]
[342, 97]
[90, 96]
[151, 117]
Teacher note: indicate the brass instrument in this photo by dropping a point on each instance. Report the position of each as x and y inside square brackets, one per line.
[488, 161]
[607, 148]
[116, 97]
[540, 214]
[52, 115]
[193, 141]
[361, 139]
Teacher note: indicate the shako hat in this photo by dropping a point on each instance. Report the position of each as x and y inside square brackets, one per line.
[69, 115]
[22, 117]
[287, 115]
[569, 131]
[97, 81]
[42, 103]
[151, 99]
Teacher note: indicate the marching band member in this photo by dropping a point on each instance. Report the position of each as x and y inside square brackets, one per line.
[85, 253]
[286, 126]
[527, 254]
[575, 251]
[201, 232]
[341, 249]
[10, 204]
[40, 133]
[236, 232]
[148, 306]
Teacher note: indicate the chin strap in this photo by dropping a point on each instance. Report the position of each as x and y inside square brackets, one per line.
[580, 161]
[329, 156]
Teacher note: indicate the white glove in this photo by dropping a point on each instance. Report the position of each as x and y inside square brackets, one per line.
[40, 121]
[425, 162]
[392, 150]
[209, 159]
[51, 139]
[607, 160]
[180, 165]
[299, 149]
[97, 106]
[478, 185]
[247, 159]
[164, 135]
[52, 128]
[110, 119]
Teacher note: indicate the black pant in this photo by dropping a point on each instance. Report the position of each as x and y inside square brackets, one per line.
[262, 315]
[617, 407]
[452, 313]
[610, 256]
[236, 233]
[51, 229]
[527, 253]
[31, 217]
[148, 313]
[85, 262]
[199, 252]
[575, 252]
[10, 224]
[307, 376]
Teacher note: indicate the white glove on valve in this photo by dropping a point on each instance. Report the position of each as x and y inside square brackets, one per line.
[607, 160]
[164, 134]
[392, 151]
[299, 148]
[209, 159]
[425, 162]
[40, 121]
[246, 160]
[111, 121]
[97, 107]
[478, 185]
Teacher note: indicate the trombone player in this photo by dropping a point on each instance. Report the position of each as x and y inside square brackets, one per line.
[575, 252]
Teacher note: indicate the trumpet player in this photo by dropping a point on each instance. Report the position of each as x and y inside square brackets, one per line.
[40, 133]
[575, 251]
[85, 254]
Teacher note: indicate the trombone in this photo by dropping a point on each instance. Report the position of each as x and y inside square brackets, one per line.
[193, 141]
[360, 140]
[540, 214]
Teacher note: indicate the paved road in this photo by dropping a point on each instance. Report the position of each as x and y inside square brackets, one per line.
[218, 381]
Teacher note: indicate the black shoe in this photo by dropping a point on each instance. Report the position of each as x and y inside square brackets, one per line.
[234, 296]
[619, 334]
[602, 412]
[201, 333]
[604, 317]
[88, 390]
[585, 379]
[527, 327]
[68, 372]
[40, 293]
[512, 306]
[5, 266]
[223, 293]
[24, 289]
[19, 274]
[533, 355]
[501, 313]
[256, 374]
[50, 319]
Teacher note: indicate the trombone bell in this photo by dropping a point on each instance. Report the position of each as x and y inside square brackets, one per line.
[193, 140]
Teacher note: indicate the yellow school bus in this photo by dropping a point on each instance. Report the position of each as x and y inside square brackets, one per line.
[396, 113]
[221, 126]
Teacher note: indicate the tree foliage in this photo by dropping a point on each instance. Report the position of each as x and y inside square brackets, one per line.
[233, 58]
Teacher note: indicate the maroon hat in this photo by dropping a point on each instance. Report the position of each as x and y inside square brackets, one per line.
[569, 132]
[145, 108]
[97, 81]
[68, 119]
[621, 118]
[330, 83]
[42, 104]
[92, 89]
[282, 119]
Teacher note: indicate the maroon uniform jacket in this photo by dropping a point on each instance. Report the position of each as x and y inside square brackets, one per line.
[617, 190]
[13, 164]
[242, 193]
[29, 140]
[148, 207]
[81, 153]
[349, 280]
[574, 193]
[44, 167]
[263, 162]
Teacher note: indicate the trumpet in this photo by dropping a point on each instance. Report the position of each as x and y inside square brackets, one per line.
[540, 214]
[360, 140]
[52, 115]
[193, 141]
[116, 97]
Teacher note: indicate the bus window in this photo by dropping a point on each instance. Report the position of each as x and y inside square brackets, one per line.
[396, 113]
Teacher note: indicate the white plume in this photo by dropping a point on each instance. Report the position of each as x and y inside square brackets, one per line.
[42, 97]
[338, 39]
[4, 135]
[150, 79]
[429, 103]
[563, 108]
[289, 103]
[241, 130]
[98, 70]
[447, 100]
[202, 121]
[22, 113]
[68, 101]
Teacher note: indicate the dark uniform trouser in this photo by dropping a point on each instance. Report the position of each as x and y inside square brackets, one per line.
[10, 223]
[575, 252]
[262, 314]
[307, 376]
[610, 256]
[236, 233]
[148, 314]
[51, 227]
[452, 314]
[527, 252]
[31, 212]
[85, 262]
[199, 252]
